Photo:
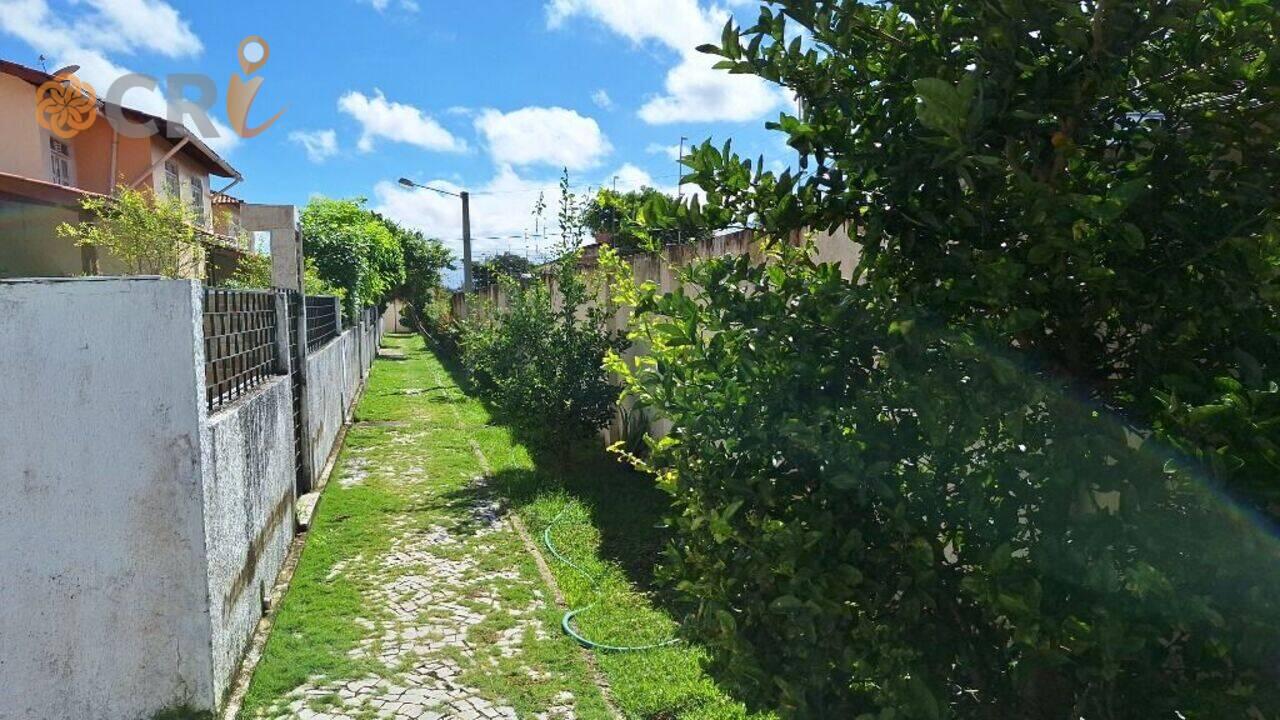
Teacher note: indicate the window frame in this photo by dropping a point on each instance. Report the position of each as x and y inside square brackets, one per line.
[196, 199]
[173, 179]
[60, 153]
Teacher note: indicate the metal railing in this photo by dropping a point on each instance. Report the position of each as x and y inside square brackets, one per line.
[324, 321]
[239, 343]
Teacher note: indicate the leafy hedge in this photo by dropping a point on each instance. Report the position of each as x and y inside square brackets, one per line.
[539, 357]
[353, 249]
[1024, 462]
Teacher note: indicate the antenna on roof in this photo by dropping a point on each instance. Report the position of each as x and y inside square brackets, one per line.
[42, 65]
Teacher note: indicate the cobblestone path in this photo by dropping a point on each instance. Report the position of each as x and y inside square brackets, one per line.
[415, 598]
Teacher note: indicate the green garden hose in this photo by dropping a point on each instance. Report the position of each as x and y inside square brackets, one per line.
[567, 621]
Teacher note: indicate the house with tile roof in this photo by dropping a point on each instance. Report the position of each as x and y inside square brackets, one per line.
[44, 177]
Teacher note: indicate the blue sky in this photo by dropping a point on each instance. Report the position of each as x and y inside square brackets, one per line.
[493, 96]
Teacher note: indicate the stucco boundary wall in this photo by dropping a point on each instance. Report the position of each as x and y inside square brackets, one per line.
[138, 533]
[335, 377]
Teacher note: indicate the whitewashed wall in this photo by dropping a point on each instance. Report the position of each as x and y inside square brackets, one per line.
[103, 592]
[248, 480]
[137, 531]
[335, 375]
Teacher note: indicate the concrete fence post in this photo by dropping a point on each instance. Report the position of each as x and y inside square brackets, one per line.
[301, 320]
[337, 314]
[280, 301]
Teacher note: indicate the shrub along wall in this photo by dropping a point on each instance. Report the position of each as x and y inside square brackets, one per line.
[1024, 464]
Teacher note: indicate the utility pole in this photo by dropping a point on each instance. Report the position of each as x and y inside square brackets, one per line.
[466, 242]
[466, 227]
[680, 187]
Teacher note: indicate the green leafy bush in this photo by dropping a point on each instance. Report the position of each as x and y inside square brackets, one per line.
[354, 250]
[1023, 463]
[644, 219]
[147, 234]
[425, 260]
[539, 358]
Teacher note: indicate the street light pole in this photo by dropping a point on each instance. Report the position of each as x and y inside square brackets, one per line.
[467, 285]
[466, 227]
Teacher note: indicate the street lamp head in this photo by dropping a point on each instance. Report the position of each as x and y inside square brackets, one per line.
[407, 182]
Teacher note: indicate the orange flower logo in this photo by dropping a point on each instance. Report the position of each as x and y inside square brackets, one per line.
[66, 105]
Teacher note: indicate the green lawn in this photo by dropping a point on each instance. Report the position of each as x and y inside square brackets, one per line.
[407, 467]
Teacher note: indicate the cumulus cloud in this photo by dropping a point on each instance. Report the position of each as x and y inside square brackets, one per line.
[694, 90]
[697, 92]
[671, 151]
[630, 177]
[602, 100]
[100, 27]
[128, 25]
[320, 145]
[543, 135]
[396, 122]
[501, 214]
[382, 5]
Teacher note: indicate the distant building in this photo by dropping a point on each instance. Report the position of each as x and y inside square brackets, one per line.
[43, 179]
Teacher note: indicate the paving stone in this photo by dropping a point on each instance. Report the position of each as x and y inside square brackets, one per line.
[421, 612]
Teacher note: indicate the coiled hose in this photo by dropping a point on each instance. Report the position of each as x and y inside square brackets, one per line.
[566, 623]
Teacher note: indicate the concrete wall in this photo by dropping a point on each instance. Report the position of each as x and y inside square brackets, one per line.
[281, 221]
[104, 593]
[247, 456]
[140, 533]
[335, 374]
[328, 397]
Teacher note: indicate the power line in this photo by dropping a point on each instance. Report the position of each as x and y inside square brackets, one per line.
[583, 186]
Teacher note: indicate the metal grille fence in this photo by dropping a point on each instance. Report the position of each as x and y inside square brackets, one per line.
[297, 360]
[322, 321]
[239, 343]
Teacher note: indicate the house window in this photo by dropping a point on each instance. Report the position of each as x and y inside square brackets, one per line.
[197, 199]
[172, 181]
[60, 155]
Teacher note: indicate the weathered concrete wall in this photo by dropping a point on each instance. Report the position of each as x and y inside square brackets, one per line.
[281, 221]
[104, 598]
[247, 454]
[139, 532]
[335, 375]
[328, 397]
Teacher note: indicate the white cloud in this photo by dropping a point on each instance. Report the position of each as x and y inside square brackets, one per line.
[381, 118]
[126, 25]
[671, 151]
[543, 135]
[602, 100]
[501, 209]
[109, 26]
[501, 213]
[382, 5]
[319, 144]
[678, 24]
[631, 177]
[695, 92]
